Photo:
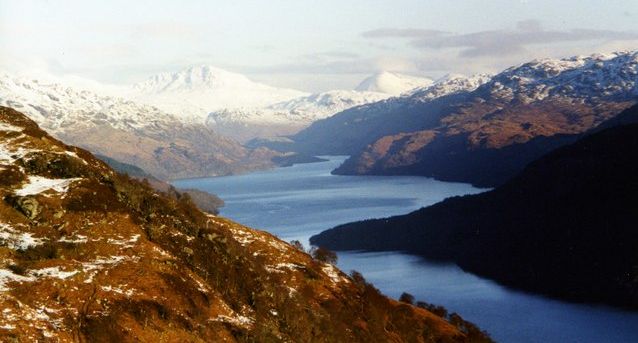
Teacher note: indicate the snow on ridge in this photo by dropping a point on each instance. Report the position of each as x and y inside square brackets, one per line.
[449, 84]
[57, 107]
[298, 111]
[39, 184]
[594, 76]
[199, 90]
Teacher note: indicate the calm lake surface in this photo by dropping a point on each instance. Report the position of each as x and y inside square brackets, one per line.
[299, 201]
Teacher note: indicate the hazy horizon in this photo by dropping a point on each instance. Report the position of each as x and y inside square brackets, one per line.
[306, 45]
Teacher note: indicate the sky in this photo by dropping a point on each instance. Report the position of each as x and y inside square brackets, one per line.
[304, 44]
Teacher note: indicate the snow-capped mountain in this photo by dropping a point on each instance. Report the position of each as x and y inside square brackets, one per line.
[465, 136]
[449, 84]
[288, 116]
[598, 76]
[59, 108]
[196, 91]
[161, 143]
[392, 83]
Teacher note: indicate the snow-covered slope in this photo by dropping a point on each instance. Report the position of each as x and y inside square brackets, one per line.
[449, 84]
[288, 116]
[300, 110]
[196, 91]
[392, 83]
[613, 75]
[161, 143]
[58, 108]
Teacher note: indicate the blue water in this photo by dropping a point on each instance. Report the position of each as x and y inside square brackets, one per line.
[299, 201]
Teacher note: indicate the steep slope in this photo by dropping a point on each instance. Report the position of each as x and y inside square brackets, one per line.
[288, 117]
[467, 137]
[198, 90]
[392, 83]
[89, 255]
[163, 144]
[565, 226]
[205, 201]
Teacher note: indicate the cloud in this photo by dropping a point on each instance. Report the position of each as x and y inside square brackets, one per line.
[498, 43]
[402, 33]
[328, 56]
[355, 66]
[163, 29]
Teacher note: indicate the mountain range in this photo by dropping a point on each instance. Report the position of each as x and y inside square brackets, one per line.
[565, 226]
[163, 144]
[163, 124]
[90, 255]
[288, 117]
[470, 132]
[198, 90]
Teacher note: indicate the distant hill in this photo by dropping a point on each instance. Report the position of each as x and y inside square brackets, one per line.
[286, 117]
[565, 226]
[126, 168]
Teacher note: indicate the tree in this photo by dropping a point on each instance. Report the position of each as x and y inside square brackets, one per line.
[407, 298]
[298, 245]
[324, 255]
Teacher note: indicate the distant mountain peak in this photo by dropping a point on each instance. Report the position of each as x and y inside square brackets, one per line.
[200, 89]
[201, 77]
[392, 83]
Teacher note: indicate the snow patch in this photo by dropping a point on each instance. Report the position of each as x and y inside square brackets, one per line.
[10, 128]
[333, 273]
[125, 243]
[39, 184]
[7, 276]
[53, 272]
[237, 320]
[9, 154]
[79, 239]
[17, 240]
[127, 292]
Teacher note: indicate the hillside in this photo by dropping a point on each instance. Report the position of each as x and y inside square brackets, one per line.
[565, 226]
[205, 201]
[464, 135]
[166, 145]
[89, 255]
[350, 131]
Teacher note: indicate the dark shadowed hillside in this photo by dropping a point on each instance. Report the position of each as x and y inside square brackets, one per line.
[566, 226]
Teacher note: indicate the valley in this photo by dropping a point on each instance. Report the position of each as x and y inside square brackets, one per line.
[300, 201]
[319, 171]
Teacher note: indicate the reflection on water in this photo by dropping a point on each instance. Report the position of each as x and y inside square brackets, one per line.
[299, 201]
